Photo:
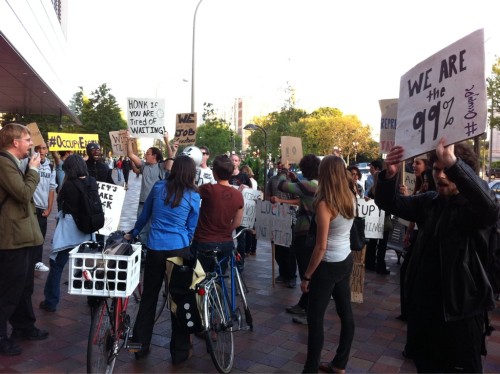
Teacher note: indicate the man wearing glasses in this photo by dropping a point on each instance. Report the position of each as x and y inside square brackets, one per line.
[21, 234]
[203, 173]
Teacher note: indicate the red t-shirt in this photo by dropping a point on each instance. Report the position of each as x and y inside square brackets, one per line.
[219, 204]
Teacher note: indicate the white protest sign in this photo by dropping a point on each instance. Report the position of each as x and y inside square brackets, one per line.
[145, 117]
[112, 198]
[443, 96]
[410, 180]
[273, 222]
[249, 198]
[374, 218]
[388, 122]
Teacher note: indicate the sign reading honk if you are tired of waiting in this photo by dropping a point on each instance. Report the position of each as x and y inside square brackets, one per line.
[146, 117]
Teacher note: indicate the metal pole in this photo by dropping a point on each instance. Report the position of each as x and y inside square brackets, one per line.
[491, 140]
[265, 165]
[192, 56]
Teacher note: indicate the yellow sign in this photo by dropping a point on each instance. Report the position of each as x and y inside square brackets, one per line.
[59, 141]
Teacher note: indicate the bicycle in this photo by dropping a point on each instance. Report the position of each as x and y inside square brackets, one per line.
[220, 313]
[112, 278]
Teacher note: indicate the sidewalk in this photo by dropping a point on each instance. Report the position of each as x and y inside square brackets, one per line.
[275, 346]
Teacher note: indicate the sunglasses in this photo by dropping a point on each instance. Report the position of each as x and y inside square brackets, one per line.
[204, 153]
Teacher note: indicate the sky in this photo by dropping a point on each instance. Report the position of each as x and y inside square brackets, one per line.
[344, 54]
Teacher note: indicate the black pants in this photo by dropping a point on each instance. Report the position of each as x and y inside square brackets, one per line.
[241, 248]
[285, 258]
[154, 274]
[447, 347]
[375, 253]
[330, 279]
[302, 256]
[17, 268]
[42, 222]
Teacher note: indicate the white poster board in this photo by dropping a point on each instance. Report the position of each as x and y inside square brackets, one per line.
[374, 218]
[146, 117]
[443, 96]
[250, 197]
[388, 123]
[112, 198]
[273, 222]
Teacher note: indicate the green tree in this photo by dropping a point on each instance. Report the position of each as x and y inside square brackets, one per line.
[99, 113]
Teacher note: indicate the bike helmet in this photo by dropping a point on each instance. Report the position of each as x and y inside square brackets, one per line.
[194, 152]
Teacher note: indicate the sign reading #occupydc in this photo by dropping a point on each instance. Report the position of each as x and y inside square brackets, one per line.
[146, 117]
[112, 198]
[443, 96]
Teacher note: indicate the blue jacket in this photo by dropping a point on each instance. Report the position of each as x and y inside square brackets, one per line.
[171, 228]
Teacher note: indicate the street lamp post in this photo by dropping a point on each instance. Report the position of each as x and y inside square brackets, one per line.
[192, 56]
[252, 127]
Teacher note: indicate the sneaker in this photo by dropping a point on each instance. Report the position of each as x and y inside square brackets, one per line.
[33, 334]
[40, 266]
[301, 320]
[292, 283]
[295, 309]
[9, 348]
[43, 305]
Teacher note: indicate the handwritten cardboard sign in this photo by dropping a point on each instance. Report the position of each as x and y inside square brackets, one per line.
[119, 143]
[291, 149]
[374, 218]
[249, 198]
[388, 123]
[185, 128]
[443, 96]
[36, 136]
[273, 222]
[70, 142]
[112, 198]
[146, 117]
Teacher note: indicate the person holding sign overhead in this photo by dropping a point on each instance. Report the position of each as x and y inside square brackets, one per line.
[449, 294]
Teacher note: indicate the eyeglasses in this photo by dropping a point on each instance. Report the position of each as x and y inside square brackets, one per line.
[204, 153]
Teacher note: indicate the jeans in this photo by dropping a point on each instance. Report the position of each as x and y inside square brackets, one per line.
[330, 279]
[52, 289]
[42, 222]
[201, 250]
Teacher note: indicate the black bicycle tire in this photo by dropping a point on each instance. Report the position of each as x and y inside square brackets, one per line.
[242, 289]
[100, 341]
[219, 334]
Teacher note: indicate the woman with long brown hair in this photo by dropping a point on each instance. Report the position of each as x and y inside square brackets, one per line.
[329, 270]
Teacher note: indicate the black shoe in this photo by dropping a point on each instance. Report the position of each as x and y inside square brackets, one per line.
[383, 272]
[9, 348]
[402, 317]
[292, 283]
[407, 354]
[43, 305]
[33, 334]
[369, 267]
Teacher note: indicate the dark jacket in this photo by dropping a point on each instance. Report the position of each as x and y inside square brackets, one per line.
[20, 228]
[452, 237]
[100, 171]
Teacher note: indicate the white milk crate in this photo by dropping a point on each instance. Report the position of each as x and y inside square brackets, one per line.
[98, 274]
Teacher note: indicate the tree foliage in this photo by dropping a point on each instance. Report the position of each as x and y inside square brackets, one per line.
[493, 92]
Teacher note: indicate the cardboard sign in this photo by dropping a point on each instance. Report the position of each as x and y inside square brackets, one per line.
[146, 117]
[112, 198]
[374, 218]
[250, 197]
[185, 128]
[388, 123]
[70, 142]
[273, 222]
[119, 143]
[291, 149]
[443, 96]
[36, 136]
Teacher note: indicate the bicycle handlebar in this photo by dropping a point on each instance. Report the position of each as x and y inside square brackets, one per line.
[242, 231]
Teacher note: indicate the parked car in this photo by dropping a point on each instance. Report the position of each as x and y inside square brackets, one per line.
[494, 173]
[495, 187]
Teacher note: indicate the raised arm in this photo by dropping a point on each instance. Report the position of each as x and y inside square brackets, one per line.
[130, 152]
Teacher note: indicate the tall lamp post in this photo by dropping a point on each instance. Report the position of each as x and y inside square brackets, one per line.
[252, 127]
[192, 56]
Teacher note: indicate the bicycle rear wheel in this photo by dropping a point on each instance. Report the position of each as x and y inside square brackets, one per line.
[242, 289]
[219, 334]
[101, 341]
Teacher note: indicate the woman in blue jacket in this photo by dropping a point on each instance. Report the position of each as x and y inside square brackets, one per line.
[173, 205]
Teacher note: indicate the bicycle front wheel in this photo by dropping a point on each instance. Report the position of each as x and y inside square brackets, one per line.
[100, 346]
[219, 334]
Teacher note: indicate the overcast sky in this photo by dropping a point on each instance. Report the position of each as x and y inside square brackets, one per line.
[347, 54]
